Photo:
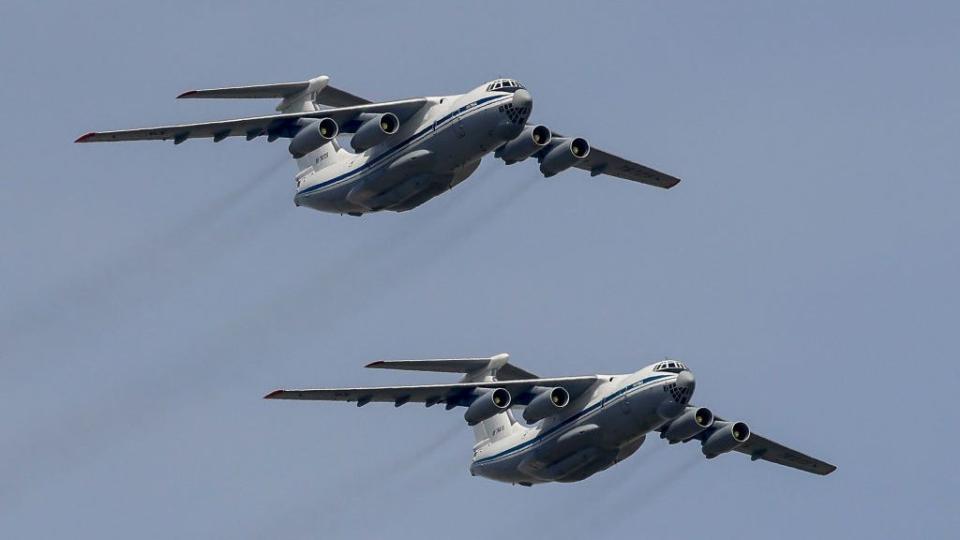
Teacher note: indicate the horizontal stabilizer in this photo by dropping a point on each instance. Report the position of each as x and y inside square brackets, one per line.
[317, 88]
[497, 365]
[257, 91]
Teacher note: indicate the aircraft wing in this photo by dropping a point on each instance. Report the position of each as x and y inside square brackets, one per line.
[276, 125]
[760, 447]
[328, 95]
[601, 162]
[431, 394]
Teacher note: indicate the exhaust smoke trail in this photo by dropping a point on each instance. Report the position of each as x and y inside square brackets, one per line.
[414, 455]
[494, 209]
[357, 287]
[644, 493]
[631, 467]
[318, 512]
[82, 295]
[441, 240]
[201, 220]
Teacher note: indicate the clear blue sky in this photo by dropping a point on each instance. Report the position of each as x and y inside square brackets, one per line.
[806, 269]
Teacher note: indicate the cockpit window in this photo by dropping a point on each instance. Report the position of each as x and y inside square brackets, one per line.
[671, 366]
[504, 84]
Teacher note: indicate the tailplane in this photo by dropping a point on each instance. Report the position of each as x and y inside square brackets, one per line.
[474, 369]
[296, 97]
[301, 96]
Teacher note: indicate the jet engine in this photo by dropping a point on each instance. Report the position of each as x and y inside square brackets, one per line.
[530, 140]
[564, 155]
[547, 403]
[726, 436]
[487, 404]
[690, 423]
[313, 135]
[374, 131]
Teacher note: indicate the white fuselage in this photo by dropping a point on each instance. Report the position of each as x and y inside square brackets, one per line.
[600, 428]
[435, 149]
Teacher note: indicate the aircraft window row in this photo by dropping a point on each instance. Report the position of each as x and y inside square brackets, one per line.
[503, 83]
[670, 365]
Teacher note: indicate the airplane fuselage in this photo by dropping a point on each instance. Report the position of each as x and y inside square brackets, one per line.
[434, 150]
[602, 428]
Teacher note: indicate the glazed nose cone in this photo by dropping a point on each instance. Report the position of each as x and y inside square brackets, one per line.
[686, 380]
[522, 99]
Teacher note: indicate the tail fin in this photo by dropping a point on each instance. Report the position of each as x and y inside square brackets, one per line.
[474, 369]
[302, 96]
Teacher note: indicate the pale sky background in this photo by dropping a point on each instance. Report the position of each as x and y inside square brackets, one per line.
[806, 269]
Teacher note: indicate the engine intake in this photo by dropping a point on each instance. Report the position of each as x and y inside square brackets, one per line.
[564, 155]
[489, 403]
[547, 403]
[690, 423]
[374, 131]
[529, 142]
[725, 437]
[313, 135]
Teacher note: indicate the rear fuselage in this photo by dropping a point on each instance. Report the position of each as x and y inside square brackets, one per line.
[601, 428]
[434, 150]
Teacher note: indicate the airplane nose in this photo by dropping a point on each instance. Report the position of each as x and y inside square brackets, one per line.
[686, 381]
[522, 99]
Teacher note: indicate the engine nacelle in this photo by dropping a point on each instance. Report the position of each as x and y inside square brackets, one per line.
[529, 142]
[313, 135]
[690, 423]
[547, 403]
[489, 403]
[374, 131]
[726, 436]
[564, 155]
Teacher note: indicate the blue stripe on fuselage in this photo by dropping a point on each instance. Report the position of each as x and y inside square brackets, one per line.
[395, 149]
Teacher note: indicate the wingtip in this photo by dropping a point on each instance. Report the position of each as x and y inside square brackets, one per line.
[374, 364]
[187, 94]
[85, 136]
[274, 394]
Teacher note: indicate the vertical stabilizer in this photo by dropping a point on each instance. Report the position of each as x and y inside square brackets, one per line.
[304, 100]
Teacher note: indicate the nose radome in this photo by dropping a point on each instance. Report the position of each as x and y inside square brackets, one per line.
[686, 380]
[522, 98]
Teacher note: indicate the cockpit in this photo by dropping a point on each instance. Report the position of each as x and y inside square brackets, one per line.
[504, 85]
[672, 366]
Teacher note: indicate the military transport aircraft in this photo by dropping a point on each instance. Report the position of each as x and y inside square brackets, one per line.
[573, 427]
[404, 152]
